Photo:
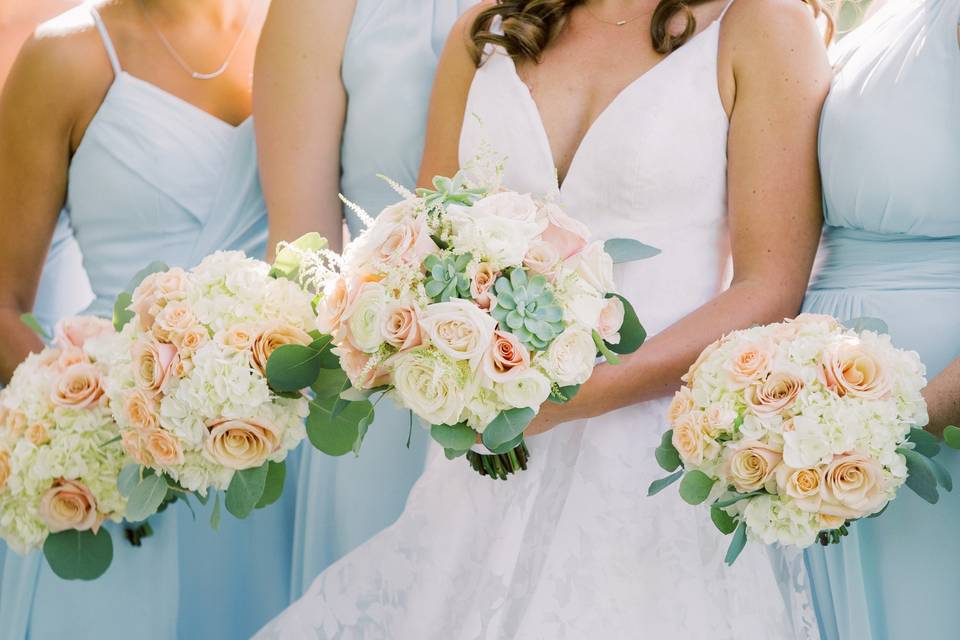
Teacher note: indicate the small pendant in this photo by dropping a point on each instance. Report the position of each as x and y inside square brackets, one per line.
[210, 76]
[621, 23]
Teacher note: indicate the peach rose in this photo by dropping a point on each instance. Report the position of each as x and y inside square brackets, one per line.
[398, 239]
[144, 301]
[401, 326]
[37, 435]
[356, 364]
[853, 486]
[272, 338]
[133, 445]
[142, 410]
[749, 464]
[506, 359]
[803, 485]
[332, 306]
[611, 320]
[239, 337]
[163, 447]
[172, 283]
[70, 356]
[17, 423]
[4, 467]
[74, 332]
[567, 235]
[241, 444]
[775, 394]
[175, 318]
[543, 258]
[152, 364]
[751, 364]
[851, 369]
[69, 505]
[688, 438]
[79, 386]
[480, 285]
[190, 340]
[682, 404]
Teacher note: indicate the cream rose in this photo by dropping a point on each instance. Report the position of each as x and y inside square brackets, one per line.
[240, 444]
[152, 363]
[481, 282]
[79, 386]
[682, 404]
[70, 356]
[853, 486]
[407, 242]
[272, 338]
[595, 266]
[775, 394]
[430, 385]
[529, 388]
[401, 326]
[333, 304]
[803, 485]
[506, 358]
[141, 410]
[37, 434]
[851, 369]
[133, 445]
[459, 329]
[163, 447]
[750, 364]
[174, 319]
[144, 301]
[363, 319]
[192, 339]
[688, 438]
[567, 235]
[749, 464]
[74, 332]
[571, 357]
[239, 336]
[509, 205]
[69, 504]
[172, 282]
[611, 320]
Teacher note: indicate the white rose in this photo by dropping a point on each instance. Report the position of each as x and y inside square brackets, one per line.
[430, 385]
[502, 242]
[459, 329]
[510, 205]
[531, 390]
[364, 318]
[571, 357]
[582, 303]
[595, 266]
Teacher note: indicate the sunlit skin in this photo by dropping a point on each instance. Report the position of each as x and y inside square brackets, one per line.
[56, 87]
[773, 78]
[18, 19]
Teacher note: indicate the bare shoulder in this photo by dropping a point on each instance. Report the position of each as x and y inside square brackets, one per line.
[778, 27]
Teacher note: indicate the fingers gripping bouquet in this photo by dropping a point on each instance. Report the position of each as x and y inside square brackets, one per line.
[791, 431]
[471, 307]
[188, 385]
[60, 456]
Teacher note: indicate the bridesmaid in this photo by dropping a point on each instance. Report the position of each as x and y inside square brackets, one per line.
[132, 116]
[890, 159]
[341, 95]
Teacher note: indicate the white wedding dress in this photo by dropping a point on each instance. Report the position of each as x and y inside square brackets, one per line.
[573, 547]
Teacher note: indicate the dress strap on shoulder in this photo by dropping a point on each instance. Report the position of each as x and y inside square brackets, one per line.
[107, 42]
[725, 9]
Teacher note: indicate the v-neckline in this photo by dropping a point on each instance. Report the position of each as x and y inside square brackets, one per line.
[175, 99]
[545, 142]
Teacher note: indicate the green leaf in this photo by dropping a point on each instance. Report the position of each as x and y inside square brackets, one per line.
[273, 486]
[146, 497]
[293, 367]
[287, 263]
[458, 437]
[121, 314]
[336, 435]
[79, 555]
[128, 479]
[628, 250]
[507, 426]
[215, 513]
[726, 523]
[563, 394]
[867, 324]
[667, 458]
[666, 439]
[355, 395]
[925, 443]
[659, 485]
[735, 498]
[607, 354]
[329, 383]
[509, 446]
[695, 487]
[921, 477]
[31, 322]
[362, 427]
[632, 333]
[453, 454]
[245, 490]
[951, 436]
[944, 479]
[737, 544]
[201, 498]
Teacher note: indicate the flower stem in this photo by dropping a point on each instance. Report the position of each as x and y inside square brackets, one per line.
[500, 466]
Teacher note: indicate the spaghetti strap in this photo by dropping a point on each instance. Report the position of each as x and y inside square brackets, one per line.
[107, 42]
[725, 9]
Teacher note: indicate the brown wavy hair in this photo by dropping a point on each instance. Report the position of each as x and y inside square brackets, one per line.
[529, 26]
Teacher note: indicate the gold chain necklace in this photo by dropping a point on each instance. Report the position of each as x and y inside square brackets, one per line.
[616, 23]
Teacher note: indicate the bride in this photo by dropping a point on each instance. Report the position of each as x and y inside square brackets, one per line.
[686, 126]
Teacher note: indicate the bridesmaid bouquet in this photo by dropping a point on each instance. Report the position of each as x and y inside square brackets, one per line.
[187, 384]
[791, 431]
[469, 306]
[59, 455]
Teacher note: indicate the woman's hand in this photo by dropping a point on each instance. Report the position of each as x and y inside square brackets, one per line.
[943, 399]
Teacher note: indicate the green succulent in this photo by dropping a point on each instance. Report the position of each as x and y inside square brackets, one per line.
[450, 191]
[527, 308]
[447, 277]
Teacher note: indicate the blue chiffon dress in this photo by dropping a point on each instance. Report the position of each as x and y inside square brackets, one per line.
[890, 159]
[156, 178]
[388, 68]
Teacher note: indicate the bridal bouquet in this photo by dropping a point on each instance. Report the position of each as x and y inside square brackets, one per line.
[469, 306]
[188, 388]
[791, 431]
[59, 456]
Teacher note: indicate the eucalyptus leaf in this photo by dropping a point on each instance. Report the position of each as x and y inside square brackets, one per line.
[508, 446]
[921, 477]
[146, 497]
[667, 458]
[925, 443]
[355, 395]
[273, 485]
[867, 324]
[79, 555]
[737, 544]
[458, 437]
[507, 427]
[944, 479]
[362, 427]
[128, 479]
[202, 498]
[666, 439]
[628, 250]
[329, 383]
[726, 523]
[121, 313]
[293, 367]
[335, 435]
[215, 514]
[695, 487]
[245, 490]
[951, 436]
[31, 321]
[453, 454]
[659, 485]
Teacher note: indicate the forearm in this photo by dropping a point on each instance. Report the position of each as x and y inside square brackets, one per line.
[943, 399]
[17, 341]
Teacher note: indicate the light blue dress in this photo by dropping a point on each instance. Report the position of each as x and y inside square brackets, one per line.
[156, 178]
[388, 68]
[890, 159]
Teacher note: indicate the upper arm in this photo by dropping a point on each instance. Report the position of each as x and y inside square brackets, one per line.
[299, 108]
[448, 101]
[37, 116]
[782, 77]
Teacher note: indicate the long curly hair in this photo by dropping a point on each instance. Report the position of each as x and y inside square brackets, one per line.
[529, 26]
